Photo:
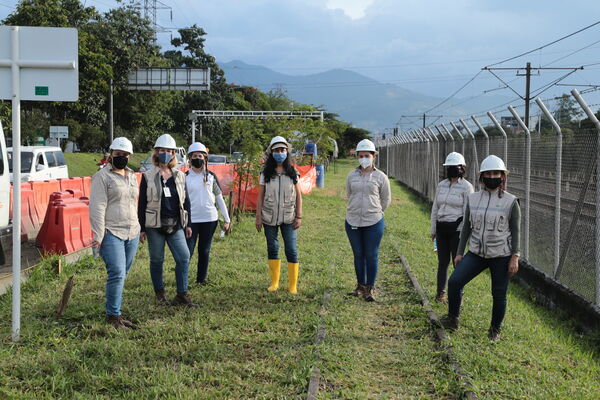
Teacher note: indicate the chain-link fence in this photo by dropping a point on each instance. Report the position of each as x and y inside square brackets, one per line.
[557, 190]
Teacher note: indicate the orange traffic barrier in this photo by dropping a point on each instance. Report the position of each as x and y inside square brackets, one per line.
[66, 225]
[71, 183]
[87, 185]
[41, 192]
[138, 176]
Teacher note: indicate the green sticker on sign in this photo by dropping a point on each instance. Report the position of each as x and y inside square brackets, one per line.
[41, 90]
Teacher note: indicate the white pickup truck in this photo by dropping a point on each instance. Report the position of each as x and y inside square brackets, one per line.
[39, 163]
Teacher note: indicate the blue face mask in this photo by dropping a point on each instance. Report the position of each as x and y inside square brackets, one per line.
[279, 157]
[164, 158]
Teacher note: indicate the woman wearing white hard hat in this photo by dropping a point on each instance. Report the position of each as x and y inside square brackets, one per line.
[114, 222]
[447, 215]
[493, 220]
[203, 191]
[368, 191]
[279, 208]
[163, 213]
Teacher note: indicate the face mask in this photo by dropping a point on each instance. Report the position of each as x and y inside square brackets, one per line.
[279, 157]
[197, 162]
[492, 183]
[454, 172]
[120, 162]
[365, 162]
[164, 158]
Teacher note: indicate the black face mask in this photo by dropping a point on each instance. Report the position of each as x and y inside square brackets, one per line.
[492, 183]
[454, 172]
[120, 162]
[197, 162]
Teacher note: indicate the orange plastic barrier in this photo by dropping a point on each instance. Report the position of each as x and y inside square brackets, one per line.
[42, 191]
[66, 225]
[71, 183]
[308, 178]
[87, 185]
[138, 176]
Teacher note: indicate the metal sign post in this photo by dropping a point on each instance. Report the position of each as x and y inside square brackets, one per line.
[35, 64]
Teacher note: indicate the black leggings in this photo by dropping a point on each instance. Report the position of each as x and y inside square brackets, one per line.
[447, 245]
[203, 232]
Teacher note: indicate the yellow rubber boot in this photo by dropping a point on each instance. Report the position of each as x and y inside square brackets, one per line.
[274, 271]
[293, 277]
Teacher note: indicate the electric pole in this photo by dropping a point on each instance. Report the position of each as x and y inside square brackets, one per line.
[527, 75]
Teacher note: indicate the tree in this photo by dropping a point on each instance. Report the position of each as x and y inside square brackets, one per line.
[350, 138]
[567, 110]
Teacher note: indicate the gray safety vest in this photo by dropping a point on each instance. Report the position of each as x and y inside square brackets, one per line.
[279, 204]
[154, 195]
[489, 218]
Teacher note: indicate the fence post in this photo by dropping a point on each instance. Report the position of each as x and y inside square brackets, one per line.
[501, 129]
[593, 118]
[527, 178]
[434, 164]
[476, 163]
[452, 137]
[558, 193]
[487, 138]
[460, 135]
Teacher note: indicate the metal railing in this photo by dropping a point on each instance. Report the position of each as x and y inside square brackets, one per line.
[554, 176]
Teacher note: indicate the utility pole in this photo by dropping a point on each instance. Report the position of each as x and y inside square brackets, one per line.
[527, 75]
[424, 116]
[111, 127]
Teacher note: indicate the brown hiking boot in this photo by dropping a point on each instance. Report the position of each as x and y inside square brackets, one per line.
[368, 293]
[441, 298]
[358, 292]
[450, 323]
[161, 298]
[183, 299]
[117, 322]
[127, 323]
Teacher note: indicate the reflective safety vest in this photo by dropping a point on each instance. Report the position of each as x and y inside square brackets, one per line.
[489, 218]
[279, 203]
[154, 194]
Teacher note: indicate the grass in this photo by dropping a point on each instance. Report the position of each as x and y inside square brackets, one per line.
[246, 343]
[84, 164]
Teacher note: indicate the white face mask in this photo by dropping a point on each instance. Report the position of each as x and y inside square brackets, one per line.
[365, 162]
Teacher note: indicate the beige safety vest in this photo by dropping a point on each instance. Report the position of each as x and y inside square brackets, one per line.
[154, 196]
[279, 203]
[489, 218]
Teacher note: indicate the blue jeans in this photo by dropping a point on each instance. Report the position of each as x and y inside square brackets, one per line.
[202, 232]
[118, 255]
[471, 266]
[289, 235]
[365, 246]
[181, 254]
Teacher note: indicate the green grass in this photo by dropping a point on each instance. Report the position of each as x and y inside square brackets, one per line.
[84, 164]
[246, 343]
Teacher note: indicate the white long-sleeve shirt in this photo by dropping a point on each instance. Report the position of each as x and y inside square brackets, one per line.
[450, 202]
[204, 191]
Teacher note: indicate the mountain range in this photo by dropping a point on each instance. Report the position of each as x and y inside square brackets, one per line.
[365, 102]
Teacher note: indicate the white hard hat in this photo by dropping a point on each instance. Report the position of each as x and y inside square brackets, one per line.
[454, 159]
[281, 142]
[165, 141]
[197, 146]
[366, 145]
[492, 163]
[122, 143]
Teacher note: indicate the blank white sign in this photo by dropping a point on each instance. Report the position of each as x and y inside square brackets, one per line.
[44, 56]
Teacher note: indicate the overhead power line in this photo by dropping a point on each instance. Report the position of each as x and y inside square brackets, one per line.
[546, 45]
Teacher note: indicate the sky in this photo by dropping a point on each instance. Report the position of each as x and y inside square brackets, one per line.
[432, 47]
